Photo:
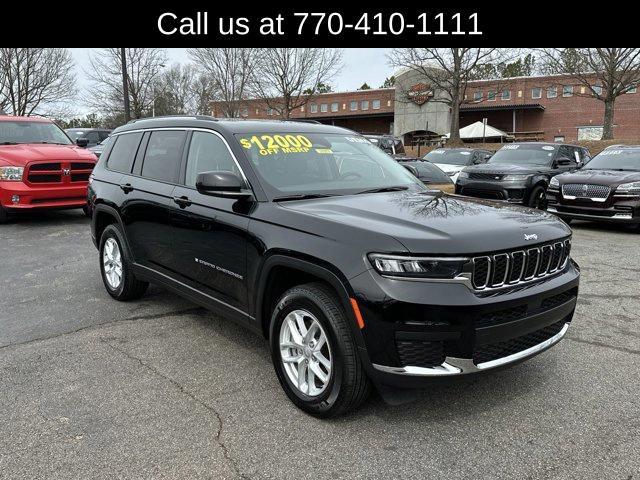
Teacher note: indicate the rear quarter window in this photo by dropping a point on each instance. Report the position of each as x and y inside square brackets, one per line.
[124, 152]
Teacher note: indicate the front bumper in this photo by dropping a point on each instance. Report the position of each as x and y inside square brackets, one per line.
[512, 192]
[30, 198]
[615, 209]
[417, 331]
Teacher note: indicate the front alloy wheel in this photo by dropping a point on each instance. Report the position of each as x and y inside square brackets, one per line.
[305, 352]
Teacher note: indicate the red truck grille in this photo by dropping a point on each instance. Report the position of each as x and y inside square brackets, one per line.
[59, 172]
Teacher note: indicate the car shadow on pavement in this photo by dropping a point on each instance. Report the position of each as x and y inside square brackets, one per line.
[48, 217]
[604, 227]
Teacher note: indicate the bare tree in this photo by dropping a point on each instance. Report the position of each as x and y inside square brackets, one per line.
[36, 80]
[230, 70]
[286, 73]
[174, 92]
[606, 73]
[144, 66]
[448, 71]
[202, 94]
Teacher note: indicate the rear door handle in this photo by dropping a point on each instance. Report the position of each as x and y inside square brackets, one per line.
[126, 188]
[182, 202]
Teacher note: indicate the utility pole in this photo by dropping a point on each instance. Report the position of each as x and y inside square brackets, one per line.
[125, 86]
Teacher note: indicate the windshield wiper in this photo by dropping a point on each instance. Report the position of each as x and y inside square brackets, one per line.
[384, 189]
[9, 143]
[302, 196]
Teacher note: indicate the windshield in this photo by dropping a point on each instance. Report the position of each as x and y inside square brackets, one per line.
[31, 132]
[524, 154]
[449, 157]
[429, 172]
[622, 159]
[312, 163]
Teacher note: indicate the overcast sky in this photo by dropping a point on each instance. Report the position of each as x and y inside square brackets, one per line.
[360, 65]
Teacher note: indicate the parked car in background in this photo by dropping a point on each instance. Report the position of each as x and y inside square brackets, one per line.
[40, 167]
[520, 172]
[87, 137]
[606, 189]
[353, 270]
[99, 148]
[453, 160]
[390, 144]
[429, 174]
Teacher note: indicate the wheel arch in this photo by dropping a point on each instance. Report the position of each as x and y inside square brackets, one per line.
[280, 272]
[103, 216]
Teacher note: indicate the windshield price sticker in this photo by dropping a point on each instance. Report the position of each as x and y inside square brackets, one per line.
[611, 152]
[510, 147]
[547, 147]
[359, 140]
[465, 153]
[273, 144]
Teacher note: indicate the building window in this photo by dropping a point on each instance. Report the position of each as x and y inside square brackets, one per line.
[536, 92]
[567, 90]
[477, 96]
[506, 95]
[353, 105]
[491, 96]
[558, 138]
[364, 105]
[244, 112]
[375, 104]
[324, 108]
[590, 133]
[552, 92]
[632, 89]
[313, 108]
[597, 89]
[335, 106]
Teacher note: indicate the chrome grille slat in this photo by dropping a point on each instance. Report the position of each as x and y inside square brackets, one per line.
[520, 266]
[584, 190]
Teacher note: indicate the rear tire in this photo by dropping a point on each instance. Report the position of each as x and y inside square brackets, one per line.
[538, 198]
[115, 267]
[322, 352]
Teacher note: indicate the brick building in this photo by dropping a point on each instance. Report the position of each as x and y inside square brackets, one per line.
[365, 111]
[551, 108]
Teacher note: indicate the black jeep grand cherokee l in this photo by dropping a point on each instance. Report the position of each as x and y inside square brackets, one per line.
[355, 272]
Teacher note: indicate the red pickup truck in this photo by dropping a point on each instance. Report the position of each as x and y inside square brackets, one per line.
[40, 167]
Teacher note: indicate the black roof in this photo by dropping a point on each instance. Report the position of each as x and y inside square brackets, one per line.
[231, 125]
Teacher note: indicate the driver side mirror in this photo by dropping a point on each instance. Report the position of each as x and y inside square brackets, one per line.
[222, 184]
[82, 142]
[564, 162]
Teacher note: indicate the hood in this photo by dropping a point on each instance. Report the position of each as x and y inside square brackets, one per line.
[599, 177]
[436, 223]
[449, 168]
[500, 168]
[20, 155]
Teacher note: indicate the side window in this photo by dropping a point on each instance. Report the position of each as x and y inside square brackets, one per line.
[208, 153]
[163, 154]
[103, 135]
[123, 152]
[565, 151]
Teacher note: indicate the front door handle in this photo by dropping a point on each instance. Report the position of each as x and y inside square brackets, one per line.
[182, 202]
[126, 188]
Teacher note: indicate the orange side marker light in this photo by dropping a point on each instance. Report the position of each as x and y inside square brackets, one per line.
[356, 311]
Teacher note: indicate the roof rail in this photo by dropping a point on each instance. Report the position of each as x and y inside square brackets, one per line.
[197, 117]
[303, 120]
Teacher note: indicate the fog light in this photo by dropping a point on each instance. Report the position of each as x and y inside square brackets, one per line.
[15, 198]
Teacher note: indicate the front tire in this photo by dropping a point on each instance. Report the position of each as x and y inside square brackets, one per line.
[538, 198]
[87, 211]
[115, 267]
[3, 215]
[314, 353]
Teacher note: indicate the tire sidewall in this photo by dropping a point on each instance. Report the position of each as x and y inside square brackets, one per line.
[297, 299]
[112, 232]
[538, 191]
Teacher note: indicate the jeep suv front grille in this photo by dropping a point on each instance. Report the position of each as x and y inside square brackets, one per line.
[512, 268]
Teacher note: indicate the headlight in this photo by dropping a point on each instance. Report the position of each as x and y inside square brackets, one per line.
[12, 174]
[554, 182]
[514, 178]
[632, 188]
[417, 267]
[463, 174]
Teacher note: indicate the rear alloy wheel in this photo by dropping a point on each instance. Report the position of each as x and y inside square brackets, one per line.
[314, 352]
[538, 198]
[115, 267]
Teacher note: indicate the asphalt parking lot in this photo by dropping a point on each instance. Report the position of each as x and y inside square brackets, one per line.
[159, 388]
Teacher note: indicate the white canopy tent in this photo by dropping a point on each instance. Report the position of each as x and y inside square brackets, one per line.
[478, 130]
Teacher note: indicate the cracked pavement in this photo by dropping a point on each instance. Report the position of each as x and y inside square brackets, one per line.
[160, 388]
